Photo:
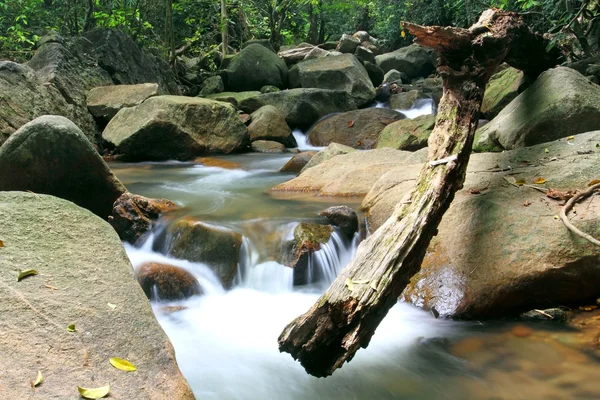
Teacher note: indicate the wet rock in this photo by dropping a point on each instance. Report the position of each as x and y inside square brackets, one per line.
[268, 123]
[196, 241]
[384, 91]
[343, 217]
[501, 251]
[304, 107]
[133, 215]
[82, 256]
[407, 134]
[560, 103]
[358, 129]
[308, 238]
[176, 127]
[211, 85]
[267, 146]
[105, 101]
[166, 282]
[351, 174]
[414, 60]
[347, 44]
[334, 149]
[248, 102]
[298, 161]
[406, 100]
[501, 89]
[375, 73]
[342, 72]
[549, 314]
[51, 155]
[254, 67]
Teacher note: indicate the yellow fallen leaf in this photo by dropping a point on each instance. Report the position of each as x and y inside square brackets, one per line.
[95, 393]
[571, 138]
[403, 34]
[71, 328]
[121, 364]
[556, 217]
[111, 305]
[25, 273]
[349, 284]
[539, 180]
[520, 182]
[373, 285]
[39, 379]
[592, 183]
[546, 150]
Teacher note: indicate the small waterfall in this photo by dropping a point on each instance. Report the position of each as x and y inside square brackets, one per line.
[420, 107]
[302, 140]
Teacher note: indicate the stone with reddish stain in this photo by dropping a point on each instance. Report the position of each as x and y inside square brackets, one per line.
[167, 282]
[297, 162]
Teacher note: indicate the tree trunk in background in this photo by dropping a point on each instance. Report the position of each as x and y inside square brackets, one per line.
[88, 22]
[224, 27]
[170, 33]
[313, 29]
[346, 316]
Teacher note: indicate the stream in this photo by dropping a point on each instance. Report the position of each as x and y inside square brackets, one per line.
[226, 340]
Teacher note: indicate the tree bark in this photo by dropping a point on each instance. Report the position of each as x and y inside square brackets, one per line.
[224, 27]
[346, 316]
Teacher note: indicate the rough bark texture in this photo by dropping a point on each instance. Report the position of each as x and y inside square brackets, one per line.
[346, 316]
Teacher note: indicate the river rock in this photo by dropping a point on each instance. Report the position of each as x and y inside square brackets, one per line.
[343, 217]
[364, 54]
[254, 67]
[406, 100]
[105, 101]
[560, 103]
[211, 85]
[549, 314]
[304, 107]
[268, 123]
[51, 155]
[133, 215]
[298, 161]
[334, 149]
[501, 89]
[176, 127]
[407, 134]
[347, 44]
[82, 267]
[166, 282]
[359, 129]
[502, 251]
[413, 60]
[351, 174]
[342, 72]
[375, 73]
[308, 238]
[247, 102]
[267, 146]
[395, 76]
[196, 241]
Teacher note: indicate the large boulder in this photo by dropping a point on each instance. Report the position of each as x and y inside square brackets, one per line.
[248, 102]
[304, 107]
[501, 89]
[350, 174]
[407, 134]
[104, 102]
[334, 149]
[359, 129]
[413, 60]
[24, 96]
[85, 279]
[298, 161]
[51, 155]
[197, 241]
[176, 127]
[342, 72]
[297, 54]
[560, 103]
[268, 123]
[500, 248]
[254, 67]
[347, 44]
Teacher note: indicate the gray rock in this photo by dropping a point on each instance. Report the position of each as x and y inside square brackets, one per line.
[343, 217]
[364, 54]
[105, 101]
[549, 314]
[414, 60]
[248, 102]
[254, 67]
[51, 155]
[394, 76]
[375, 73]
[348, 44]
[211, 85]
[82, 256]
[176, 127]
[268, 123]
[267, 146]
[406, 100]
[334, 149]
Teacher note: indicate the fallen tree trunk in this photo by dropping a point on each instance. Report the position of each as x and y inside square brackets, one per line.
[346, 316]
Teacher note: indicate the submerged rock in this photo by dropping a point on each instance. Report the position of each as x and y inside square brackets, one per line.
[51, 155]
[83, 269]
[358, 129]
[133, 215]
[407, 134]
[343, 72]
[176, 127]
[560, 103]
[196, 241]
[166, 282]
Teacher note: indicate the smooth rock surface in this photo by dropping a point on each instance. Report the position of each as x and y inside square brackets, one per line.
[254, 67]
[166, 282]
[413, 60]
[268, 123]
[407, 134]
[105, 101]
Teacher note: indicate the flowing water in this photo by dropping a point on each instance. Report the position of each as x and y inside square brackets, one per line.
[226, 340]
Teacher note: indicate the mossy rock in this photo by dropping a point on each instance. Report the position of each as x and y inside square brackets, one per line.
[501, 89]
[254, 67]
[407, 134]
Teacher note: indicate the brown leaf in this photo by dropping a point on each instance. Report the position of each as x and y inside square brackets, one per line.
[592, 183]
[474, 191]
[539, 181]
[587, 308]
[350, 124]
[1, 243]
[527, 203]
[558, 195]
